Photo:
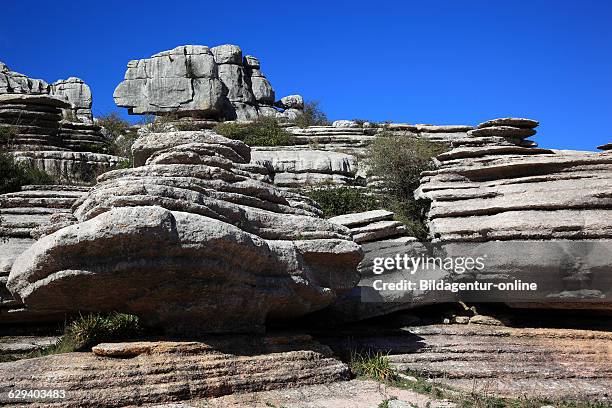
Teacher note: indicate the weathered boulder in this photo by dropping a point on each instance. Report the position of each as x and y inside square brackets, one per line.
[77, 93]
[192, 243]
[290, 102]
[345, 124]
[514, 122]
[72, 90]
[197, 81]
[21, 214]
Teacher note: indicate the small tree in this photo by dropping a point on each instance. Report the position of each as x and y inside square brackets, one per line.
[312, 116]
[398, 162]
[121, 134]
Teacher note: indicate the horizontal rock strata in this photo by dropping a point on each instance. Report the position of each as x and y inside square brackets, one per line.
[21, 214]
[72, 90]
[555, 364]
[174, 371]
[189, 222]
[301, 168]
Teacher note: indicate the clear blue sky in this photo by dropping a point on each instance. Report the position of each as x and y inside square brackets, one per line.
[440, 62]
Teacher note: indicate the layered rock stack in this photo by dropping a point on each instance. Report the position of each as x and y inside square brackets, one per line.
[23, 216]
[72, 90]
[152, 240]
[200, 82]
[31, 122]
[306, 168]
[506, 130]
[505, 191]
[375, 225]
[32, 130]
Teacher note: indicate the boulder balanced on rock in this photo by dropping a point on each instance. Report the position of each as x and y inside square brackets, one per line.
[192, 243]
[198, 81]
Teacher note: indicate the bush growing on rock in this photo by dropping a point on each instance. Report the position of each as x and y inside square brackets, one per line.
[343, 200]
[121, 135]
[264, 131]
[87, 331]
[14, 175]
[397, 161]
[312, 116]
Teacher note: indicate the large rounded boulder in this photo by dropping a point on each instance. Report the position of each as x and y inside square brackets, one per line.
[192, 242]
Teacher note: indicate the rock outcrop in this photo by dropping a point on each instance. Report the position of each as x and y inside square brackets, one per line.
[21, 215]
[555, 364]
[72, 90]
[306, 168]
[202, 82]
[191, 242]
[32, 130]
[512, 192]
[165, 371]
[376, 225]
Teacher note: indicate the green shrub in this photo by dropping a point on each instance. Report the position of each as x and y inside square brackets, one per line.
[14, 175]
[121, 134]
[398, 162]
[312, 116]
[264, 131]
[87, 331]
[343, 200]
[7, 135]
[374, 365]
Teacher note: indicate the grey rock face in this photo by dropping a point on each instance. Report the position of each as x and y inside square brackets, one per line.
[303, 168]
[72, 90]
[193, 80]
[514, 122]
[503, 131]
[345, 124]
[78, 95]
[21, 214]
[291, 102]
[229, 251]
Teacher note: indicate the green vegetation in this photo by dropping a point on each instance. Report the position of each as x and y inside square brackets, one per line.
[14, 175]
[374, 365]
[264, 131]
[7, 135]
[122, 136]
[398, 162]
[312, 116]
[385, 403]
[87, 331]
[343, 200]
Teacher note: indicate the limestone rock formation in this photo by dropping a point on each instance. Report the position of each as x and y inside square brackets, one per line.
[21, 214]
[32, 130]
[198, 81]
[304, 168]
[167, 371]
[556, 364]
[72, 90]
[375, 225]
[191, 242]
[606, 146]
[506, 127]
[77, 93]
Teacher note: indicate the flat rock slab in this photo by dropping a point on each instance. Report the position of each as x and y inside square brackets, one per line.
[607, 146]
[516, 122]
[366, 217]
[354, 394]
[508, 362]
[503, 131]
[174, 371]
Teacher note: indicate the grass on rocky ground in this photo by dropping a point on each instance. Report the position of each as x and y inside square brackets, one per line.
[264, 131]
[343, 200]
[377, 366]
[89, 330]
